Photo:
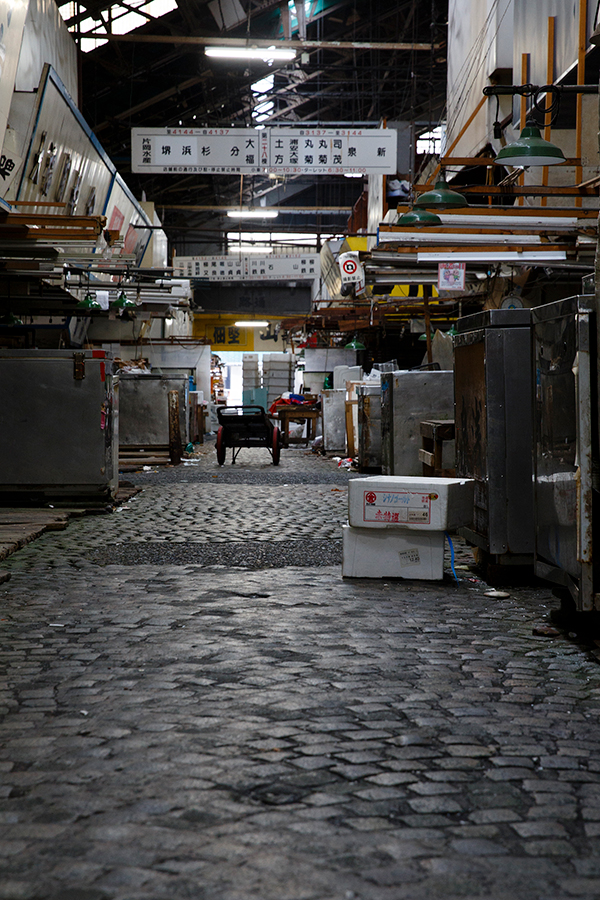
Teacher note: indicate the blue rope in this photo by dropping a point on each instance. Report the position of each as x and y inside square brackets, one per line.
[452, 557]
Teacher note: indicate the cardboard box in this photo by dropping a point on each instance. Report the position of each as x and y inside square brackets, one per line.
[409, 502]
[398, 553]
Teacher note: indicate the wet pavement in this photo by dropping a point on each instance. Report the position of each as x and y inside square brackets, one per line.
[196, 706]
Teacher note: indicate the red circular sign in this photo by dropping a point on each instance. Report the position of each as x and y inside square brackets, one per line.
[349, 267]
[370, 497]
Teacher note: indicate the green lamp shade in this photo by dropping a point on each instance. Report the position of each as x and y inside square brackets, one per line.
[122, 302]
[418, 218]
[441, 197]
[530, 150]
[88, 302]
[10, 319]
[354, 344]
[423, 337]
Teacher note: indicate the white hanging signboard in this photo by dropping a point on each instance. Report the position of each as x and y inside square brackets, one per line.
[195, 150]
[254, 267]
[320, 151]
[351, 270]
[249, 151]
[451, 276]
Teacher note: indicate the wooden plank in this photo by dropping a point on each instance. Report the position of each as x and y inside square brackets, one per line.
[426, 247]
[6, 548]
[350, 429]
[19, 535]
[499, 212]
[438, 429]
[514, 231]
[427, 458]
[35, 516]
[513, 190]
[145, 461]
[466, 161]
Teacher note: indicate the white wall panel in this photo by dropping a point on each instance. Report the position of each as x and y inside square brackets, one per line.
[531, 35]
[479, 42]
[46, 39]
[12, 21]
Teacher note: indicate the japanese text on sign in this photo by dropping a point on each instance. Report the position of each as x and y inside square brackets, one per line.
[277, 150]
[451, 276]
[248, 268]
[396, 507]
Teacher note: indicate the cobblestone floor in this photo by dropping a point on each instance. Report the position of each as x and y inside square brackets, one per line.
[263, 730]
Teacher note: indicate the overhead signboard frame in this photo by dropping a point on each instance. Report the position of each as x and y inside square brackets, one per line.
[252, 151]
[254, 267]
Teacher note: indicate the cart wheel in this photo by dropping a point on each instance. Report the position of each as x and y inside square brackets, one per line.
[276, 446]
[220, 446]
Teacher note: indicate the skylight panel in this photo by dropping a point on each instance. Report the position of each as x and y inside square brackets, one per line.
[128, 22]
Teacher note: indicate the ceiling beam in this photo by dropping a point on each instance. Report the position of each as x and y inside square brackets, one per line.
[156, 98]
[299, 210]
[133, 38]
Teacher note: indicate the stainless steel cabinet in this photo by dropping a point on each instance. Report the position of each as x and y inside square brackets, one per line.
[494, 431]
[407, 399]
[566, 446]
[58, 424]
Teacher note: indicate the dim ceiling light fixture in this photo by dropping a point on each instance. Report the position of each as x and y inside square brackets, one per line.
[251, 323]
[252, 213]
[267, 54]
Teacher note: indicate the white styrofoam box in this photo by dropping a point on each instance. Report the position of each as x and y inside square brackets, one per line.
[342, 374]
[407, 501]
[271, 358]
[368, 553]
[325, 360]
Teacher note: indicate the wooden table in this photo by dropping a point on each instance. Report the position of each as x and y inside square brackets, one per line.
[305, 414]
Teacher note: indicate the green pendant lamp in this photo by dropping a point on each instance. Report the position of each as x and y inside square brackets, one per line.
[122, 303]
[419, 218]
[441, 197]
[10, 319]
[354, 344]
[530, 150]
[89, 302]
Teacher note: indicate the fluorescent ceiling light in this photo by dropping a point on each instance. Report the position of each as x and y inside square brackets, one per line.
[253, 213]
[267, 54]
[241, 249]
[250, 324]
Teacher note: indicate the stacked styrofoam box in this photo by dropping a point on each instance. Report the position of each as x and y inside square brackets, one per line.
[250, 372]
[396, 525]
[277, 374]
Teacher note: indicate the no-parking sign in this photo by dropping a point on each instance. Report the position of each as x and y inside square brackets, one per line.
[350, 267]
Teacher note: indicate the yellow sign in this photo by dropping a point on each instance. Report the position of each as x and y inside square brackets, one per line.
[223, 334]
[403, 290]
